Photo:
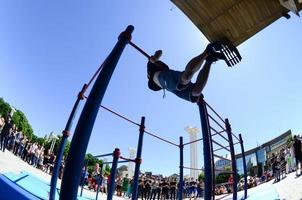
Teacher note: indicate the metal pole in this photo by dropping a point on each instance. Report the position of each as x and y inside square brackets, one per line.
[78, 147]
[244, 166]
[99, 182]
[232, 151]
[138, 159]
[181, 168]
[116, 155]
[58, 160]
[206, 149]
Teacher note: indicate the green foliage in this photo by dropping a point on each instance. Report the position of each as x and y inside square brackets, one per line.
[201, 176]
[21, 122]
[4, 108]
[222, 178]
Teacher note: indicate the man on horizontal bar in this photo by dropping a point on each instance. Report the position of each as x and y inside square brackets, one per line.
[179, 82]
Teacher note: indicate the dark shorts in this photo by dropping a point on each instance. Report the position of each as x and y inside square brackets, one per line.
[170, 80]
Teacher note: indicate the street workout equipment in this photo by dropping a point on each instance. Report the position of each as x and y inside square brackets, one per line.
[75, 159]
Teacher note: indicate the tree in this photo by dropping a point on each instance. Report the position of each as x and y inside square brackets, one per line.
[21, 123]
[4, 108]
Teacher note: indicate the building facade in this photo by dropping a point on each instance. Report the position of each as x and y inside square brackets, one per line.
[257, 158]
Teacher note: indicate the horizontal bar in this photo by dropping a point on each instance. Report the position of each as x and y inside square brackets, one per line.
[139, 49]
[215, 121]
[220, 145]
[153, 135]
[214, 112]
[103, 155]
[216, 133]
[221, 197]
[193, 141]
[235, 136]
[127, 159]
[121, 161]
[119, 115]
[193, 168]
[219, 133]
[225, 146]
[221, 157]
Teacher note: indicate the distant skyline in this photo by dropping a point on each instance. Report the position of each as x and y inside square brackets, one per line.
[50, 49]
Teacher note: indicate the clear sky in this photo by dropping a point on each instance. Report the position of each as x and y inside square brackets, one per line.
[49, 49]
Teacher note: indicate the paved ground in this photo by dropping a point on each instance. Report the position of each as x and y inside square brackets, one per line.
[289, 188]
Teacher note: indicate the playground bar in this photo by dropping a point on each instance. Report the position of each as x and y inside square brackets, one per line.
[139, 49]
[220, 145]
[216, 122]
[192, 141]
[138, 158]
[181, 168]
[206, 149]
[217, 156]
[212, 109]
[58, 160]
[79, 143]
[232, 150]
[226, 146]
[244, 166]
[219, 133]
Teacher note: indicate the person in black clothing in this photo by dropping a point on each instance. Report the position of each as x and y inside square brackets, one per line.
[298, 154]
[179, 82]
[5, 133]
[173, 189]
[147, 189]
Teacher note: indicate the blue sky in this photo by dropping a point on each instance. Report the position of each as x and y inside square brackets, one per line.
[50, 49]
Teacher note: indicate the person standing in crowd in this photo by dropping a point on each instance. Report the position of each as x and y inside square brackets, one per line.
[173, 184]
[298, 153]
[125, 185]
[2, 122]
[6, 131]
[155, 190]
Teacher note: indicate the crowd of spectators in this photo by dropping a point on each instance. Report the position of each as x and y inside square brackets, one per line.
[150, 187]
[33, 153]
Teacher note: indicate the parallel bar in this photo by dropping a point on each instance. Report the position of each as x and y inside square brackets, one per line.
[244, 166]
[58, 160]
[103, 155]
[138, 159]
[111, 188]
[206, 149]
[181, 168]
[220, 145]
[232, 150]
[80, 140]
[217, 156]
[219, 134]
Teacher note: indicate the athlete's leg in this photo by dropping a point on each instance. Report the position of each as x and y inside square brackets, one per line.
[202, 79]
[193, 66]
